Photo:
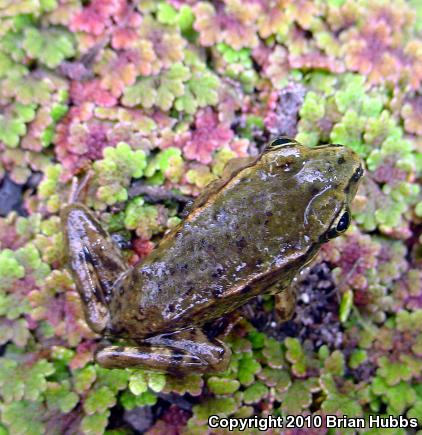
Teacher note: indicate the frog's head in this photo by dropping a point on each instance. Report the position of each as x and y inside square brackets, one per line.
[320, 182]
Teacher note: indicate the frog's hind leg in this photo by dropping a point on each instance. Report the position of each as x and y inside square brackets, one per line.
[180, 353]
[95, 262]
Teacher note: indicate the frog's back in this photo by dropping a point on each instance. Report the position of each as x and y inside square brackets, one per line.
[225, 252]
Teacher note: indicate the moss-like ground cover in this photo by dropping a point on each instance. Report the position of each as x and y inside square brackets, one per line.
[154, 97]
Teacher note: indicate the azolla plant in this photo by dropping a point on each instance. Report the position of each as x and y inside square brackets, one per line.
[152, 99]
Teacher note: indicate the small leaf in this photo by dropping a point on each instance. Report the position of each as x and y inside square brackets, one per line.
[166, 13]
[222, 406]
[279, 379]
[24, 417]
[346, 305]
[296, 356]
[49, 46]
[95, 424]
[138, 383]
[156, 381]
[98, 401]
[393, 372]
[222, 385]
[257, 339]
[341, 405]
[143, 92]
[247, 369]
[255, 393]
[274, 353]
[358, 357]
[84, 378]
[160, 91]
[191, 384]
[60, 397]
[130, 401]
[297, 398]
[335, 363]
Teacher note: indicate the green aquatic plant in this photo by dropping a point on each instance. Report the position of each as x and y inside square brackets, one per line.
[142, 106]
[115, 171]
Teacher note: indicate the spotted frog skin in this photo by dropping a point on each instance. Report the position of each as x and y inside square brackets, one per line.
[247, 234]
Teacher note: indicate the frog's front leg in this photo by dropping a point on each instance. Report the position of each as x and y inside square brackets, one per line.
[285, 304]
[285, 300]
[95, 262]
[182, 352]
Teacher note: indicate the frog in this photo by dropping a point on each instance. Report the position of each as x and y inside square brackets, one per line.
[249, 233]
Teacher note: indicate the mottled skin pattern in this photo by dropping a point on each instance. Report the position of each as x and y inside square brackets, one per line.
[249, 233]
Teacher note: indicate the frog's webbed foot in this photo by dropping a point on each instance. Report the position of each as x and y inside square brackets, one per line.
[182, 352]
[95, 262]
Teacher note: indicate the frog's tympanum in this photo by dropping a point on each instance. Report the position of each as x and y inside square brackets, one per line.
[247, 234]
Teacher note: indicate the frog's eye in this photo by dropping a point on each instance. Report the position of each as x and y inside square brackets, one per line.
[340, 225]
[358, 173]
[343, 223]
[280, 142]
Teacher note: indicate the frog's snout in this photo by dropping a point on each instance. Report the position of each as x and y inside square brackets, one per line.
[346, 156]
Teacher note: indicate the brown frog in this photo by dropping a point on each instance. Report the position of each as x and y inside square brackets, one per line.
[247, 234]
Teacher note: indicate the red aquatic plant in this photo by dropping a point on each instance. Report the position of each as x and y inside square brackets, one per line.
[142, 247]
[172, 422]
[117, 72]
[408, 290]
[370, 52]
[272, 17]
[381, 45]
[317, 60]
[84, 354]
[231, 100]
[388, 172]
[412, 115]
[208, 136]
[128, 133]
[56, 302]
[91, 91]
[125, 34]
[355, 254]
[9, 238]
[303, 12]
[277, 67]
[230, 21]
[412, 58]
[166, 41]
[32, 141]
[398, 17]
[240, 147]
[283, 109]
[80, 139]
[96, 16]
